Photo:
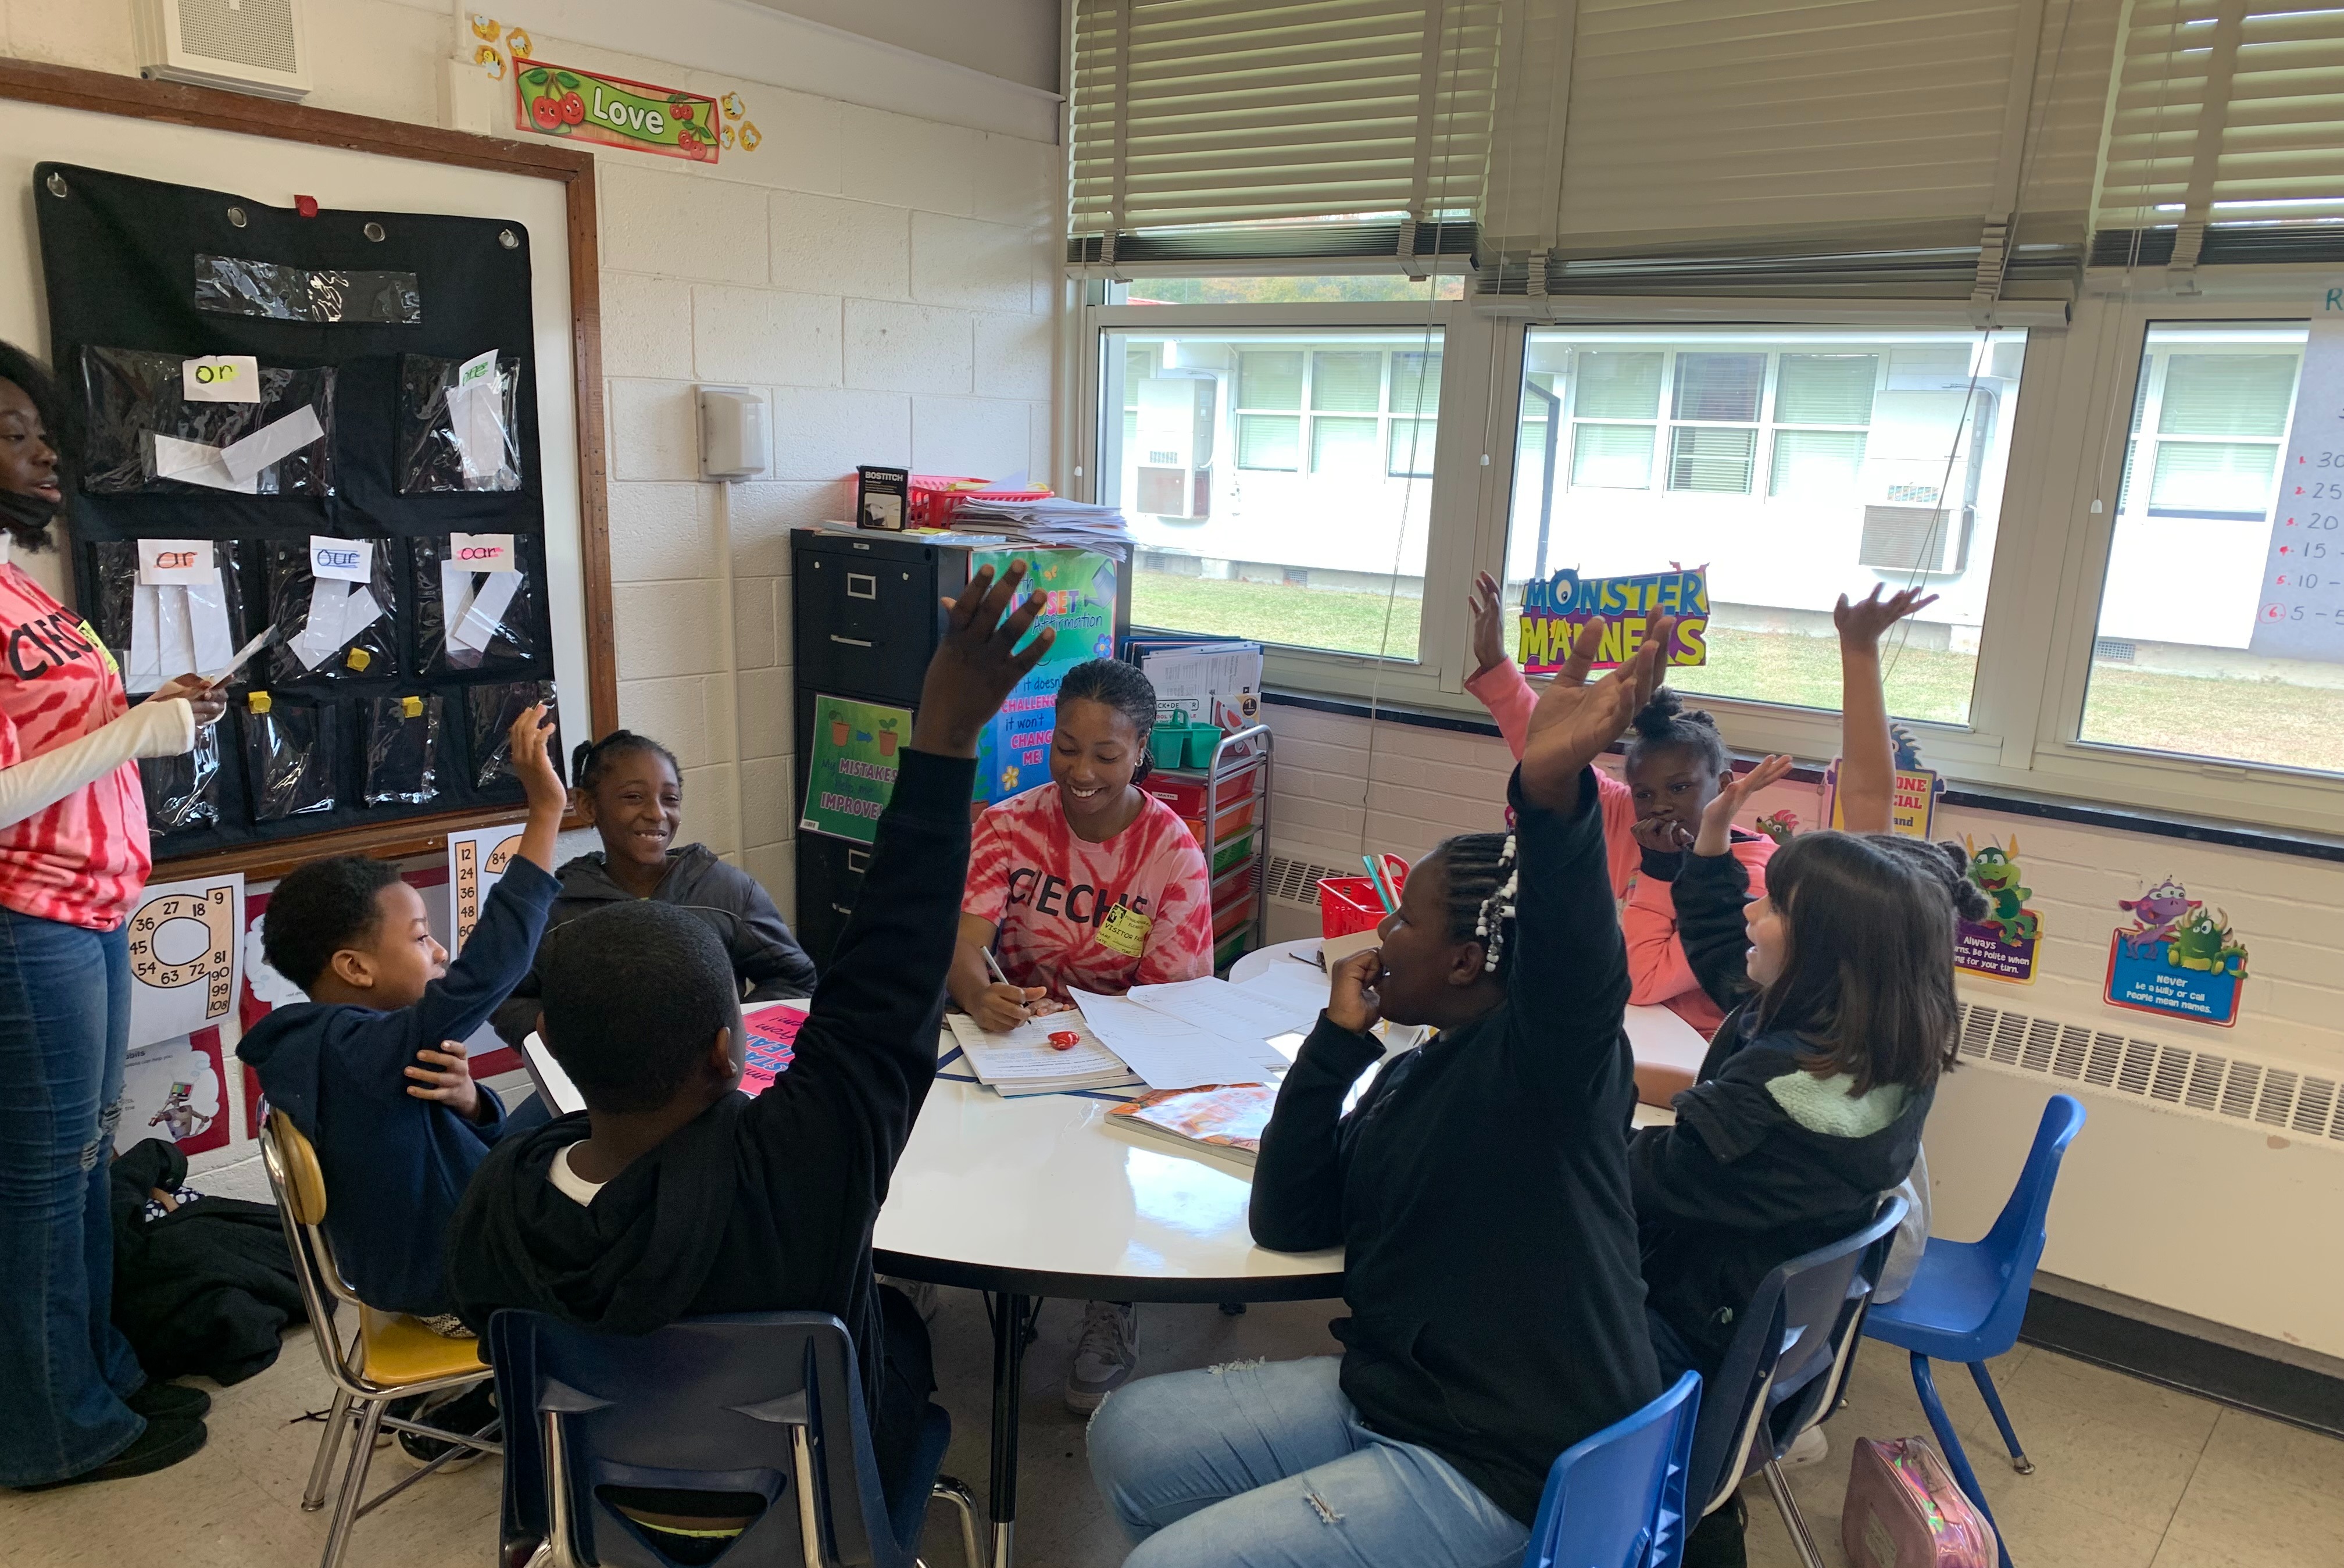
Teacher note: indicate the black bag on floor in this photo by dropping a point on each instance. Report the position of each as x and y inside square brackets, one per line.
[208, 1288]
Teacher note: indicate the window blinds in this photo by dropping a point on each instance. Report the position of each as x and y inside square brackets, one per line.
[2225, 111]
[1682, 143]
[1263, 119]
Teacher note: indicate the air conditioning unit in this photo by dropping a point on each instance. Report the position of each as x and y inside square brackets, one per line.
[1172, 451]
[244, 45]
[1924, 539]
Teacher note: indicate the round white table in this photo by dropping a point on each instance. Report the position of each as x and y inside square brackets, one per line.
[1035, 1196]
[1249, 965]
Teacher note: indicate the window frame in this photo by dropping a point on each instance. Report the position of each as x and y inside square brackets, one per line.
[2068, 435]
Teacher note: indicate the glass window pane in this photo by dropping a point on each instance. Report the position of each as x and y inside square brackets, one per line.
[1619, 386]
[1702, 457]
[2220, 632]
[1270, 379]
[1815, 462]
[1874, 501]
[1719, 386]
[1415, 383]
[1342, 447]
[1614, 457]
[2227, 395]
[2212, 479]
[1312, 538]
[1269, 442]
[1825, 388]
[1411, 448]
[1347, 383]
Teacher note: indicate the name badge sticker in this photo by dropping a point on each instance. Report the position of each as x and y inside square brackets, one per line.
[482, 552]
[341, 560]
[184, 561]
[1125, 930]
[221, 379]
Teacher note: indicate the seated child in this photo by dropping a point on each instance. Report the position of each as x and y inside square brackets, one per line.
[630, 791]
[372, 1067]
[1480, 1193]
[673, 1196]
[1675, 763]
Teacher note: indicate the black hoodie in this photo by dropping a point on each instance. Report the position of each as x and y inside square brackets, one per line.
[763, 1204]
[1737, 1185]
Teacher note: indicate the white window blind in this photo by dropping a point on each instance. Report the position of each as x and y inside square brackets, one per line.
[1794, 128]
[2226, 111]
[1190, 112]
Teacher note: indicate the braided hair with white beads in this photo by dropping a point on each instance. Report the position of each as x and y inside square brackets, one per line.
[1483, 878]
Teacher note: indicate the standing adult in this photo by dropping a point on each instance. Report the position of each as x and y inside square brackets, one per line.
[73, 859]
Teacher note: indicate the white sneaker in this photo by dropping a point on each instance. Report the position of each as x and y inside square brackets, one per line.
[1104, 1356]
[1812, 1447]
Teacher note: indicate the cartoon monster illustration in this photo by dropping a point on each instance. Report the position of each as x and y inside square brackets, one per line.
[2203, 941]
[1908, 749]
[2154, 913]
[1994, 872]
[1782, 826]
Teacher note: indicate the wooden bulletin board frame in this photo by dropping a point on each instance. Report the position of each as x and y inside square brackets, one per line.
[101, 92]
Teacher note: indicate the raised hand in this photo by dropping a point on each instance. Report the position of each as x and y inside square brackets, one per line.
[1716, 835]
[1862, 623]
[529, 742]
[978, 663]
[1575, 720]
[1351, 1001]
[1487, 606]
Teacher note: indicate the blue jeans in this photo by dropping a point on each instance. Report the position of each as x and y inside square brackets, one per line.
[64, 1368]
[1267, 1465]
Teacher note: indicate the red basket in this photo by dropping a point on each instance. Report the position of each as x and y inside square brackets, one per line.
[1347, 905]
[935, 497]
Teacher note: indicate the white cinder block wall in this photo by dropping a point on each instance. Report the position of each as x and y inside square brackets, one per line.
[888, 281]
[2232, 1223]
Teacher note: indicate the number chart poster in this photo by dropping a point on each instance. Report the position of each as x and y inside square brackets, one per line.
[2002, 945]
[476, 859]
[851, 771]
[1554, 611]
[2300, 615]
[1078, 589]
[2177, 958]
[184, 942]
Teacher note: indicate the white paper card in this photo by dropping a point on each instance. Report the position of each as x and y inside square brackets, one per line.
[1247, 1017]
[482, 552]
[485, 615]
[456, 586]
[342, 560]
[180, 561]
[209, 633]
[144, 671]
[221, 379]
[193, 463]
[272, 442]
[176, 628]
[1164, 1051]
[476, 417]
[217, 672]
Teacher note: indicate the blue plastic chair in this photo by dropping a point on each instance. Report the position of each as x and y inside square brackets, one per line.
[1785, 1367]
[1616, 1500]
[765, 1403]
[1967, 1298]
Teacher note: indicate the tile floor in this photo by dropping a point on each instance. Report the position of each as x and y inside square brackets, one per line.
[2128, 1475]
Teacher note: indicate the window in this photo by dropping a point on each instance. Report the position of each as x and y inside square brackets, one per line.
[1796, 464]
[1315, 534]
[2217, 601]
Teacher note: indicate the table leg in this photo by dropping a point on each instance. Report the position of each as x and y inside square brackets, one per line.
[1013, 1324]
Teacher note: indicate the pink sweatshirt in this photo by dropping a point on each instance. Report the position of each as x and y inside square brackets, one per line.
[1658, 972]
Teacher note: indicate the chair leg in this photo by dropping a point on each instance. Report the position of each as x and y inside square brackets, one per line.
[1792, 1519]
[330, 1443]
[1942, 1424]
[964, 1502]
[1984, 1380]
[354, 1480]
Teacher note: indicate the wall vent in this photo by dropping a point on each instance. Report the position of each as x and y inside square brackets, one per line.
[2208, 1085]
[1296, 882]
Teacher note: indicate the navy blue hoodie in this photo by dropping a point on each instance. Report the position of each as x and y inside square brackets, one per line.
[396, 1166]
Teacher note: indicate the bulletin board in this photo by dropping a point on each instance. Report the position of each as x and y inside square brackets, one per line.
[437, 251]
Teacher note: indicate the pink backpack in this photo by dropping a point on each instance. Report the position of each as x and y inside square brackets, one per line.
[1903, 1510]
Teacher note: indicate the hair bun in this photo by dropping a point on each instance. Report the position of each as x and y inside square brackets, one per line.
[1968, 902]
[1657, 717]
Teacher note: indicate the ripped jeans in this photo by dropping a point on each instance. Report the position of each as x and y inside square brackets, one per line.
[64, 1368]
[1267, 1465]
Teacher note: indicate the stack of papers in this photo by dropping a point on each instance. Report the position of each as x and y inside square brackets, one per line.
[1024, 1061]
[1049, 521]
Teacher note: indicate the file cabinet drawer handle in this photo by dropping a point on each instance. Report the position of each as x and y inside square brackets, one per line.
[852, 641]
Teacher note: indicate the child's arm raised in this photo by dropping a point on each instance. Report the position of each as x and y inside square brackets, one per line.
[1867, 754]
[1712, 887]
[1497, 681]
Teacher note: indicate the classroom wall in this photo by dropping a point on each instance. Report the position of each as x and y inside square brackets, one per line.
[889, 282]
[2233, 1222]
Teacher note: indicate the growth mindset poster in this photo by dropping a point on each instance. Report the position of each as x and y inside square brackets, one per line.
[850, 770]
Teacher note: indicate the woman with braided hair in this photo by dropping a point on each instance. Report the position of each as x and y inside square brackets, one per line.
[1479, 1192]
